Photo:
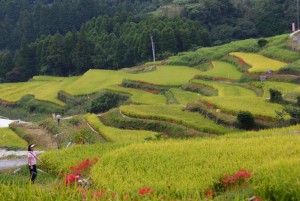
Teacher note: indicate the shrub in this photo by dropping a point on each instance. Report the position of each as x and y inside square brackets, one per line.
[275, 96]
[82, 136]
[245, 120]
[106, 101]
[262, 42]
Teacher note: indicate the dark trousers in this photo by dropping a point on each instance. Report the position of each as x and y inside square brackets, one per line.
[33, 173]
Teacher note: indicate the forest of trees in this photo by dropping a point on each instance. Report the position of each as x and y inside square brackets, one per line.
[68, 37]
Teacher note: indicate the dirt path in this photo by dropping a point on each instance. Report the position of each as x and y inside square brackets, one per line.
[38, 135]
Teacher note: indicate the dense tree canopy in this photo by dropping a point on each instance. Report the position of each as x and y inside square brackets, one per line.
[68, 37]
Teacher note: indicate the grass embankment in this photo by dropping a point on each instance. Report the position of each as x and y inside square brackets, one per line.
[8, 138]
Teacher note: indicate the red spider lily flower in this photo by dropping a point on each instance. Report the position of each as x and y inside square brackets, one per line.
[145, 191]
[125, 196]
[98, 194]
[165, 135]
[209, 194]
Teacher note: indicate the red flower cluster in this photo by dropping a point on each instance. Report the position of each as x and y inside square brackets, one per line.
[83, 166]
[145, 191]
[238, 178]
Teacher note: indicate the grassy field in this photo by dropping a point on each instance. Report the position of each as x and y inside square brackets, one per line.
[176, 114]
[223, 69]
[227, 89]
[10, 139]
[259, 63]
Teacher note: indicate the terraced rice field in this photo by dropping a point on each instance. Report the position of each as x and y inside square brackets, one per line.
[259, 63]
[256, 105]
[8, 138]
[118, 135]
[225, 89]
[223, 69]
[284, 88]
[174, 113]
[184, 97]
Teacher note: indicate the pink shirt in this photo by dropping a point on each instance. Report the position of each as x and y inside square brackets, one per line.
[31, 156]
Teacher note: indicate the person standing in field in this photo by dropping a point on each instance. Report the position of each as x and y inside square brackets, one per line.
[32, 157]
[58, 118]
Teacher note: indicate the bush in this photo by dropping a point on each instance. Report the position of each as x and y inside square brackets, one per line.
[106, 101]
[83, 136]
[275, 96]
[245, 120]
[262, 42]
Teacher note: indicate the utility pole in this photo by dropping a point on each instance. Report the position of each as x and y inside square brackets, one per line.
[153, 50]
[297, 14]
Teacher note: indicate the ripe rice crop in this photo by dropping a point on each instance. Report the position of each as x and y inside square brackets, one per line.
[184, 168]
[259, 63]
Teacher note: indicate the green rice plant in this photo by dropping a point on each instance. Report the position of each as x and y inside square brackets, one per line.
[284, 88]
[8, 138]
[233, 104]
[259, 63]
[140, 96]
[223, 69]
[227, 89]
[118, 135]
[174, 113]
[184, 97]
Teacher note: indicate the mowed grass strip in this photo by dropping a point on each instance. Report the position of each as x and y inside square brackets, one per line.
[8, 138]
[184, 97]
[174, 113]
[234, 104]
[259, 63]
[118, 135]
[227, 89]
[223, 69]
[191, 167]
